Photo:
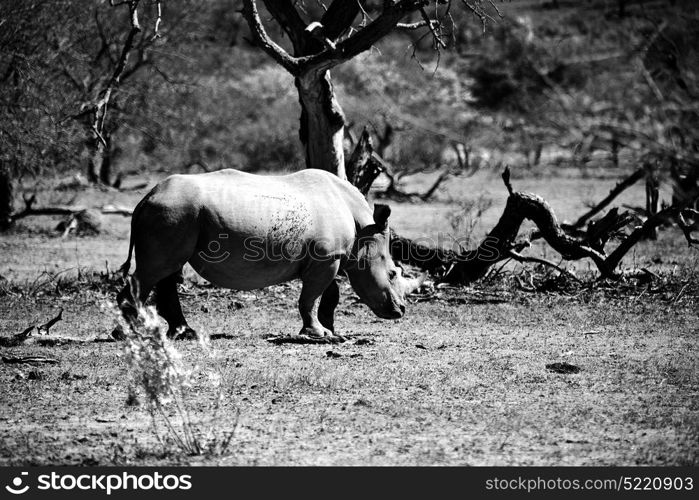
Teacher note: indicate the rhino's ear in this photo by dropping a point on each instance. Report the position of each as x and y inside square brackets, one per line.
[381, 213]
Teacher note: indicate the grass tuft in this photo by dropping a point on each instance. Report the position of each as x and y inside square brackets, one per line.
[159, 374]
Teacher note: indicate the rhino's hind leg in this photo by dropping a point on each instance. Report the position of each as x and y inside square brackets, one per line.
[127, 305]
[316, 279]
[328, 303]
[168, 305]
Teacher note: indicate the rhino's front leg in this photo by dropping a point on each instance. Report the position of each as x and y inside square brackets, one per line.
[316, 279]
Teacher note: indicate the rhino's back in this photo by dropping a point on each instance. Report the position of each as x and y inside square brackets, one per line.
[309, 204]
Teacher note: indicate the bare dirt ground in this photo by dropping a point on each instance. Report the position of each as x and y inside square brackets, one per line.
[461, 379]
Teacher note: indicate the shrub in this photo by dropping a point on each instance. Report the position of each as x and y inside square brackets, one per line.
[158, 373]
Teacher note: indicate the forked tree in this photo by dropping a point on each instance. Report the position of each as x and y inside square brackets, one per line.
[345, 29]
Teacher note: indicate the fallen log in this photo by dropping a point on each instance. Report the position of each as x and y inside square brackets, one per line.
[28, 359]
[502, 244]
[79, 219]
[17, 339]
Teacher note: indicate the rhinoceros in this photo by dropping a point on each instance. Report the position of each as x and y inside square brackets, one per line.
[245, 231]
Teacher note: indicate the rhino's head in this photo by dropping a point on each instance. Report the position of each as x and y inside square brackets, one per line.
[372, 273]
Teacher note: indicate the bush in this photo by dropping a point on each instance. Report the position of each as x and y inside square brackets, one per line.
[159, 374]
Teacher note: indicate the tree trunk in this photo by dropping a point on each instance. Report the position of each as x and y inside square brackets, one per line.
[93, 161]
[652, 199]
[99, 165]
[6, 197]
[106, 165]
[322, 123]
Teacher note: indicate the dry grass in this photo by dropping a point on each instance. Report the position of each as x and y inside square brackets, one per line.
[460, 380]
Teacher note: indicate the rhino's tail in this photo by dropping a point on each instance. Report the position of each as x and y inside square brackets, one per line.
[124, 269]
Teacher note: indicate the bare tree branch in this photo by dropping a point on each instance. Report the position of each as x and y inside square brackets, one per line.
[479, 13]
[337, 20]
[289, 19]
[686, 227]
[413, 26]
[260, 36]
[99, 135]
[364, 39]
[616, 191]
[437, 39]
[158, 20]
[671, 212]
[537, 260]
[128, 43]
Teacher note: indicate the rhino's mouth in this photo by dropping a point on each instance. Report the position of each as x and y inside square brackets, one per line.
[390, 314]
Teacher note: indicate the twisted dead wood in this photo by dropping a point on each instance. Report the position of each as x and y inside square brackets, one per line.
[500, 243]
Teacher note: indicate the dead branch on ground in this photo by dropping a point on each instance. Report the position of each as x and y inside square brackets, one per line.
[501, 243]
[44, 329]
[28, 359]
[29, 209]
[78, 218]
[616, 191]
[18, 338]
[43, 338]
[498, 245]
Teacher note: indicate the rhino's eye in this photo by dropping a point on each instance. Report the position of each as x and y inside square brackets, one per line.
[392, 274]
